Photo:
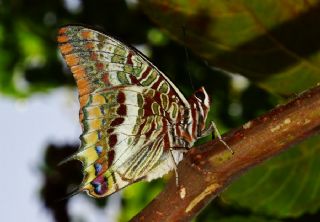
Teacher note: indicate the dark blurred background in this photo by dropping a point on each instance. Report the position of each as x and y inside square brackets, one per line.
[39, 109]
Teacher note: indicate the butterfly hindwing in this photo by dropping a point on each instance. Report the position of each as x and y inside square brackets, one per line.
[120, 147]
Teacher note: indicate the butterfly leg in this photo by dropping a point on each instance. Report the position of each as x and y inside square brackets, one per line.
[212, 129]
[175, 167]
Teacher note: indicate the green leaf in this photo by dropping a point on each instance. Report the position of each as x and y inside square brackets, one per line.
[285, 186]
[274, 43]
[245, 219]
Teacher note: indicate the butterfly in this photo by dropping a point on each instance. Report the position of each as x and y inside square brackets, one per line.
[136, 123]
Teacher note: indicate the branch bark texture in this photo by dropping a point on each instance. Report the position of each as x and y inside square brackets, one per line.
[208, 169]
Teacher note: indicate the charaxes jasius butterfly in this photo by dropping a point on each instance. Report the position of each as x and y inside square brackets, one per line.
[135, 121]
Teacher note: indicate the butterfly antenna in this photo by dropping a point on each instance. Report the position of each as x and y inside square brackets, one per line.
[187, 55]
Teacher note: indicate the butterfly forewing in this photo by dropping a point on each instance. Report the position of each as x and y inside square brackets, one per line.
[131, 113]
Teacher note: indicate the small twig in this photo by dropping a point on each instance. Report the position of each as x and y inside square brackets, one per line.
[208, 169]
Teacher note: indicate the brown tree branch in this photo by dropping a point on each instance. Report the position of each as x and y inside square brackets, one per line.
[208, 169]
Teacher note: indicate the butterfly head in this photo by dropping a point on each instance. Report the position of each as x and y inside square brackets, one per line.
[201, 102]
[202, 97]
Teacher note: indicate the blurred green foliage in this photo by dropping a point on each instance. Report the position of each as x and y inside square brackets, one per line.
[271, 43]
[30, 63]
